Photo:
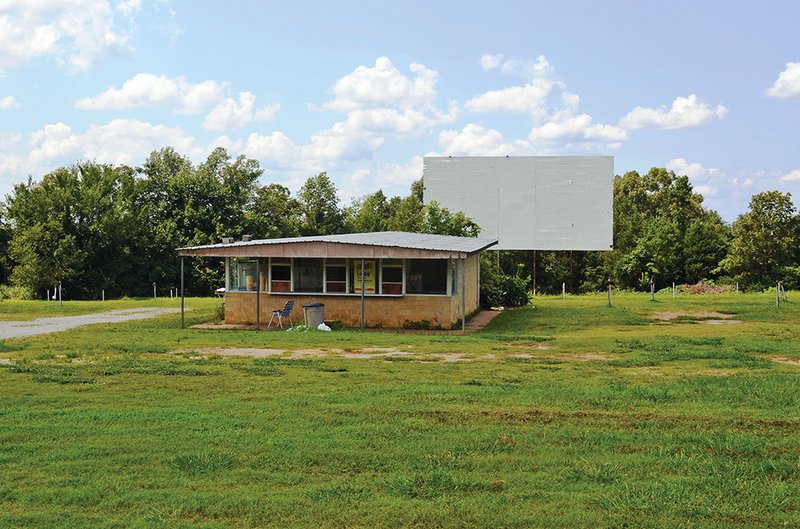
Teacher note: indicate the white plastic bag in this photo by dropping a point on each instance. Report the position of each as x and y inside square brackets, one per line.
[323, 327]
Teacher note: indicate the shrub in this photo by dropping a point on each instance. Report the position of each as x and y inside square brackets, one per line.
[503, 290]
[16, 292]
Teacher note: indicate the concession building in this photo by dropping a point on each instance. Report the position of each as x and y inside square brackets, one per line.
[368, 279]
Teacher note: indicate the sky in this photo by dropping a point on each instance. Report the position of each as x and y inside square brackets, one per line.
[364, 90]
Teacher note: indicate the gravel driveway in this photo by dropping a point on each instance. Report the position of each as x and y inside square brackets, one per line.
[19, 329]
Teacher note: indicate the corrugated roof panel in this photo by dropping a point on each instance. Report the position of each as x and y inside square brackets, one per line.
[395, 239]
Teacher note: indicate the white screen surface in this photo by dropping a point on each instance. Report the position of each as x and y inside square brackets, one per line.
[529, 202]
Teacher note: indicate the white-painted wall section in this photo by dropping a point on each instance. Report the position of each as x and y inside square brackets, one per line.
[529, 202]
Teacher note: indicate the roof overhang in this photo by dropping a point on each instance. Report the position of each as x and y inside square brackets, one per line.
[324, 247]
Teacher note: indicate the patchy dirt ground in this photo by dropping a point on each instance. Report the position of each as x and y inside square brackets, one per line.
[707, 318]
[786, 361]
[585, 357]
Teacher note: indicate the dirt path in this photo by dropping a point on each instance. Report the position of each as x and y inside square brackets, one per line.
[20, 329]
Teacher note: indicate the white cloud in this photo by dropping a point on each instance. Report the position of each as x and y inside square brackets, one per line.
[787, 84]
[54, 141]
[553, 109]
[530, 98]
[232, 114]
[708, 181]
[382, 100]
[791, 176]
[393, 174]
[356, 178]
[694, 170]
[490, 62]
[684, 112]
[377, 101]
[326, 148]
[121, 141]
[149, 90]
[11, 164]
[9, 141]
[8, 102]
[606, 132]
[562, 126]
[383, 85]
[705, 190]
[475, 140]
[129, 7]
[81, 30]
[405, 121]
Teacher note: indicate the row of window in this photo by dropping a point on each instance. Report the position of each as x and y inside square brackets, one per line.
[381, 276]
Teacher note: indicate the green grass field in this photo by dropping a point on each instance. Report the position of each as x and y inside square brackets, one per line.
[566, 414]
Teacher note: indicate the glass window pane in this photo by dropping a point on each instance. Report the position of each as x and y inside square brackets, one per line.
[281, 272]
[392, 275]
[308, 275]
[243, 274]
[337, 273]
[427, 276]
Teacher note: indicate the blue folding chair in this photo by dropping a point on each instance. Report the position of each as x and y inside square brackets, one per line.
[285, 312]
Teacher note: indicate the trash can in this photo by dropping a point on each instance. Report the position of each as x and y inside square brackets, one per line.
[314, 314]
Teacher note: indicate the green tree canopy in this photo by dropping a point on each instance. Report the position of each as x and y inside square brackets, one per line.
[319, 207]
[765, 239]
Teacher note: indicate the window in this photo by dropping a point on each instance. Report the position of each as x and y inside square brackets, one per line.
[281, 276]
[335, 275]
[426, 276]
[308, 275]
[391, 276]
[243, 274]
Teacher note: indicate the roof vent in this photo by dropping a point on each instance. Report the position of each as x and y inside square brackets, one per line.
[227, 240]
[247, 238]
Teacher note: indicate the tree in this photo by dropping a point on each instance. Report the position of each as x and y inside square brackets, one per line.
[188, 206]
[79, 225]
[439, 220]
[652, 214]
[706, 244]
[370, 213]
[764, 240]
[319, 207]
[273, 213]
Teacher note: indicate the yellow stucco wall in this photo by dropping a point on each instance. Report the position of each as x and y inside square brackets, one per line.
[240, 307]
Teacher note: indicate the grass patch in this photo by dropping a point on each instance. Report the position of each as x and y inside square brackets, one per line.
[684, 425]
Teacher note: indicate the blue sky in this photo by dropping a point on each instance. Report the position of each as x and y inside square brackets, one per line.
[363, 90]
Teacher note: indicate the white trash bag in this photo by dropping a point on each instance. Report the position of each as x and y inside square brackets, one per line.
[323, 327]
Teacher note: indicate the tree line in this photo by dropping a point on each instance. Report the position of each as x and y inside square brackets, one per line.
[116, 228]
[113, 228]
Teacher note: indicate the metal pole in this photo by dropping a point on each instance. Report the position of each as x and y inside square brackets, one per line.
[609, 293]
[154, 290]
[258, 294]
[47, 294]
[563, 291]
[362, 292]
[60, 300]
[103, 294]
[183, 321]
[652, 291]
[777, 294]
[673, 290]
[464, 295]
[737, 287]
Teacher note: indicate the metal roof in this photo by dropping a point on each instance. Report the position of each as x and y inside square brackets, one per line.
[424, 242]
